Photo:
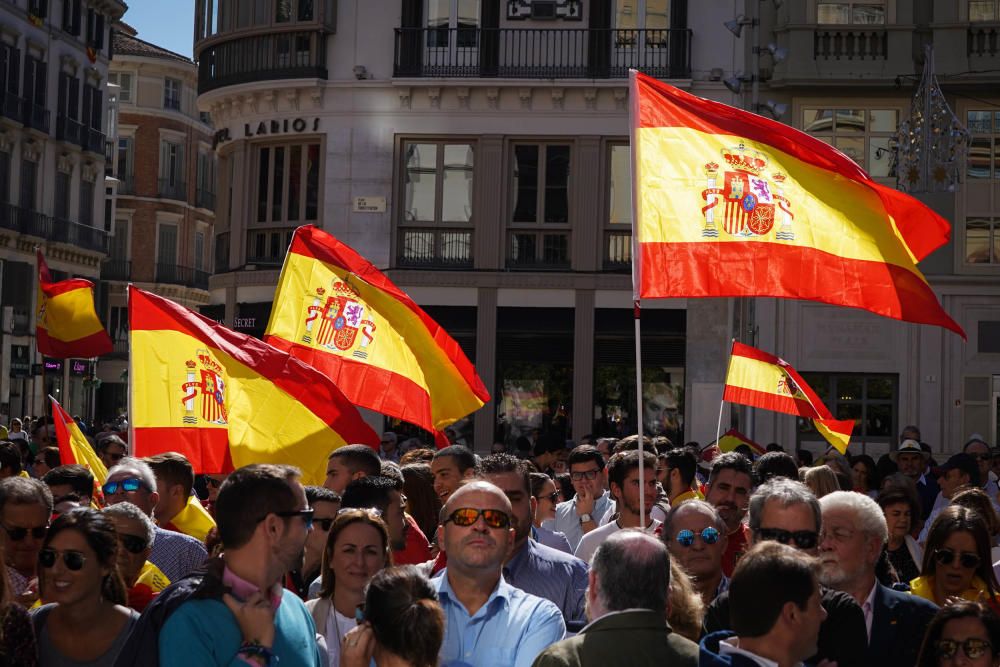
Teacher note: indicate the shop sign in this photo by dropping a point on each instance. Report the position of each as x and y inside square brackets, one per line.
[369, 204]
[267, 128]
[79, 367]
[52, 365]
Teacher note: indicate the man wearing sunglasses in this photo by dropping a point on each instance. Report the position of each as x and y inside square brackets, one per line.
[325, 504]
[488, 622]
[854, 534]
[136, 534]
[25, 508]
[111, 449]
[786, 511]
[979, 450]
[174, 553]
[695, 534]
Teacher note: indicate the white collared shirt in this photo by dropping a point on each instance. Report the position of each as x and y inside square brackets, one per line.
[869, 609]
[732, 646]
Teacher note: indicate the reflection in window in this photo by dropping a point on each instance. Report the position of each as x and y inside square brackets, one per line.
[864, 135]
[984, 149]
[540, 191]
[458, 17]
[984, 10]
[288, 183]
[866, 12]
[870, 400]
[982, 241]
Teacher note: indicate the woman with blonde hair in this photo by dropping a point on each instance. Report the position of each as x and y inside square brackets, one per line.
[357, 548]
[821, 480]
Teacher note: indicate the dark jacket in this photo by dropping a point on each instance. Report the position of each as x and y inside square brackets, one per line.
[843, 636]
[630, 638]
[928, 492]
[899, 621]
[142, 647]
[708, 653]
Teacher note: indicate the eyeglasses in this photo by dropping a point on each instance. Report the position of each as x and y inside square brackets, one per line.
[708, 535]
[972, 648]
[836, 534]
[306, 514]
[468, 516]
[127, 485]
[132, 543]
[804, 539]
[982, 457]
[116, 457]
[73, 560]
[589, 474]
[18, 534]
[211, 481]
[947, 557]
[551, 497]
[325, 523]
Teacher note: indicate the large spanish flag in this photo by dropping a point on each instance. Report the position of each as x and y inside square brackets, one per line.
[765, 381]
[731, 204]
[73, 445]
[341, 315]
[66, 323]
[225, 400]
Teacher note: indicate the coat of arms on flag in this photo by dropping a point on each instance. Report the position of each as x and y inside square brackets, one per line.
[338, 319]
[206, 386]
[747, 197]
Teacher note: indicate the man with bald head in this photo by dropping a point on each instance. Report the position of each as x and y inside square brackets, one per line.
[487, 621]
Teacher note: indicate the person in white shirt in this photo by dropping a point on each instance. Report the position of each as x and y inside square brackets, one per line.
[623, 478]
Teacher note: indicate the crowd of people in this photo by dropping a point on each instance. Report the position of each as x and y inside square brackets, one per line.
[538, 556]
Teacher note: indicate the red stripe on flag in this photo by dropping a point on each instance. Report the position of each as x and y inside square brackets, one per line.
[59, 418]
[776, 270]
[206, 448]
[94, 345]
[52, 290]
[766, 401]
[741, 350]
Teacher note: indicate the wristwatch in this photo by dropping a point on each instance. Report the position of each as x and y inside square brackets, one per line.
[584, 518]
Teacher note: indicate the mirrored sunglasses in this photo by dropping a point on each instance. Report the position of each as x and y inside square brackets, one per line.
[468, 516]
[127, 485]
[709, 535]
[972, 648]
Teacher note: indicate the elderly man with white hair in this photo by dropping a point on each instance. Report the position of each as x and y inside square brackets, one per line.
[851, 548]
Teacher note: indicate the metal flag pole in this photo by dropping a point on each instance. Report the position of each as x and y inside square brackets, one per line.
[129, 415]
[722, 399]
[636, 310]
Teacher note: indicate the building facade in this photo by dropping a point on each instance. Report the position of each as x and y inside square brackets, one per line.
[54, 115]
[482, 160]
[165, 204]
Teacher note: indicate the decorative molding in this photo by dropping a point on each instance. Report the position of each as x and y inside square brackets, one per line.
[590, 97]
[292, 97]
[463, 96]
[493, 97]
[525, 95]
[9, 34]
[404, 97]
[434, 95]
[558, 97]
[31, 150]
[65, 163]
[89, 171]
[316, 95]
[521, 10]
[92, 74]
[68, 64]
[6, 142]
[621, 98]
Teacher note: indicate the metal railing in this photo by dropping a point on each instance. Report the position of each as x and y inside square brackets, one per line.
[69, 130]
[175, 274]
[617, 251]
[126, 184]
[205, 199]
[12, 106]
[984, 40]
[93, 141]
[541, 53]
[538, 251]
[435, 248]
[173, 189]
[32, 223]
[850, 44]
[116, 269]
[285, 55]
[37, 116]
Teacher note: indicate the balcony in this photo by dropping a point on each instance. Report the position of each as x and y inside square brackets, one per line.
[93, 141]
[116, 269]
[984, 40]
[541, 53]
[538, 251]
[267, 247]
[170, 188]
[287, 55]
[435, 249]
[69, 130]
[37, 116]
[12, 106]
[204, 199]
[20, 322]
[174, 274]
[33, 223]
[126, 184]
[618, 251]
[850, 44]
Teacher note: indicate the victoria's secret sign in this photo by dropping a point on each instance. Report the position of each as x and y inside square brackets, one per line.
[266, 128]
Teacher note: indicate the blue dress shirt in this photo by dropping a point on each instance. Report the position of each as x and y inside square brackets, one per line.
[510, 630]
[567, 521]
[553, 575]
[551, 539]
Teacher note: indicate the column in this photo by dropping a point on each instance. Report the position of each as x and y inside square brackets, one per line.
[583, 363]
[486, 364]
[489, 235]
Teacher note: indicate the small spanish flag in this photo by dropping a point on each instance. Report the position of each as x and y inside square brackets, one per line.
[341, 315]
[193, 520]
[765, 381]
[731, 439]
[731, 204]
[73, 445]
[66, 323]
[225, 399]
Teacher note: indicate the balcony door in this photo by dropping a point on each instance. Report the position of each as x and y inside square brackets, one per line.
[166, 253]
[453, 29]
[640, 37]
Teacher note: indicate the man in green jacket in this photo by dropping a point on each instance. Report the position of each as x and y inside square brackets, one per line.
[627, 595]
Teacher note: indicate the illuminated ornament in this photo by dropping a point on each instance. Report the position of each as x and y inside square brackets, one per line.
[931, 144]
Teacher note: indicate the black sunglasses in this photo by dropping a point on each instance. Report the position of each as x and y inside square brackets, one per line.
[803, 539]
[468, 516]
[73, 560]
[551, 497]
[18, 534]
[966, 560]
[211, 481]
[972, 647]
[324, 524]
[132, 543]
[306, 514]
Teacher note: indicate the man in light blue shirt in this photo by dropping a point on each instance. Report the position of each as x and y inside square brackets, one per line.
[488, 622]
[583, 513]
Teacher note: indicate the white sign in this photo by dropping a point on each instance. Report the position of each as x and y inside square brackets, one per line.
[369, 204]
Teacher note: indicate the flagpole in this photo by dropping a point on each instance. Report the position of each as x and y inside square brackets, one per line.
[722, 399]
[636, 272]
[131, 377]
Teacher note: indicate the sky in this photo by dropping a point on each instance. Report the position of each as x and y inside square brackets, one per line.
[166, 23]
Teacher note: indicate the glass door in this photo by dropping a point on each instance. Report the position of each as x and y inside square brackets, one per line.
[641, 29]
[452, 36]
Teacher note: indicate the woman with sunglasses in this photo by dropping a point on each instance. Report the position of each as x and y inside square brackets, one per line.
[963, 633]
[547, 495]
[404, 624]
[85, 619]
[957, 560]
[357, 548]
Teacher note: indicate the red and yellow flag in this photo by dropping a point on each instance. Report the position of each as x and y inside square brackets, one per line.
[73, 445]
[66, 323]
[731, 204]
[225, 400]
[765, 381]
[193, 520]
[341, 315]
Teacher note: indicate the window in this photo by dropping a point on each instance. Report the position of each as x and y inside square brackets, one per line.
[861, 134]
[119, 242]
[95, 29]
[10, 69]
[38, 8]
[870, 400]
[436, 225]
[61, 208]
[86, 202]
[172, 183]
[199, 251]
[982, 241]
[171, 94]
[984, 10]
[984, 150]
[4, 177]
[268, 246]
[34, 81]
[618, 230]
[93, 107]
[452, 17]
[71, 16]
[539, 226]
[166, 246]
[68, 101]
[866, 12]
[287, 184]
[29, 184]
[118, 324]
[125, 167]
[222, 252]
[650, 16]
[298, 10]
[124, 82]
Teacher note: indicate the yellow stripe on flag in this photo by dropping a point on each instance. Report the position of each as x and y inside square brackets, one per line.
[194, 519]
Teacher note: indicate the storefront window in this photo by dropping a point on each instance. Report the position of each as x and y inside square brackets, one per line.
[870, 400]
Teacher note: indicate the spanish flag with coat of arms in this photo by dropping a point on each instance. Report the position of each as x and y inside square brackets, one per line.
[225, 400]
[66, 323]
[730, 204]
[338, 313]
